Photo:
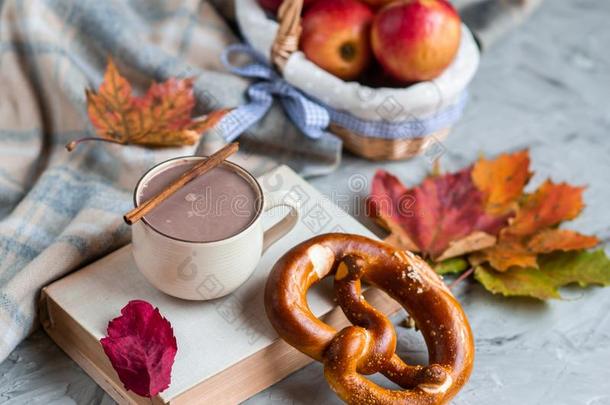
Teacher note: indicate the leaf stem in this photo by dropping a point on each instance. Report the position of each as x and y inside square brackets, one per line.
[461, 278]
[70, 146]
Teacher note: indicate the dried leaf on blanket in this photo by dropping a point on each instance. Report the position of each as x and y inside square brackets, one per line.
[161, 117]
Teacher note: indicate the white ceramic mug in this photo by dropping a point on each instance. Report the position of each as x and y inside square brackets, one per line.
[206, 270]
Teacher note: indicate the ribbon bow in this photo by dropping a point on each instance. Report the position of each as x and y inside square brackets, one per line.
[311, 118]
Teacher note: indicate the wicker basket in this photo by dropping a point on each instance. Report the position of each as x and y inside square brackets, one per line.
[285, 44]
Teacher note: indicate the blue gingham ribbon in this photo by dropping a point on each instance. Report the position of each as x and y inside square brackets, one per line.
[311, 116]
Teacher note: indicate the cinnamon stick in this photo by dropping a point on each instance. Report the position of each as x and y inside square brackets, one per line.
[200, 168]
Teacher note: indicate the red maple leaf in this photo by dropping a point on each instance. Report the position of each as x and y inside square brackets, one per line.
[441, 212]
[141, 347]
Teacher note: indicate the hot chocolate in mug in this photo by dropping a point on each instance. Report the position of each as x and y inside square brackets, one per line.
[204, 241]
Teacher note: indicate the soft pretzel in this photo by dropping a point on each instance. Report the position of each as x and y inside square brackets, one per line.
[369, 346]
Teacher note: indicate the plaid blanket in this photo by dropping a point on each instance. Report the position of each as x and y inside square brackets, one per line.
[60, 210]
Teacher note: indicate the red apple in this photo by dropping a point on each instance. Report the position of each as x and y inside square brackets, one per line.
[377, 3]
[273, 5]
[416, 40]
[336, 36]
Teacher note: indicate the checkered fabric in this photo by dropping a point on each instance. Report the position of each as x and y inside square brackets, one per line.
[388, 128]
[310, 117]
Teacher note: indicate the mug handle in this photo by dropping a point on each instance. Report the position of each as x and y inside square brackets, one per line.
[283, 226]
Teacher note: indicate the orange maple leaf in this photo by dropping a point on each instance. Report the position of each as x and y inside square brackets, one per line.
[509, 252]
[162, 117]
[531, 231]
[501, 180]
[548, 206]
[550, 240]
